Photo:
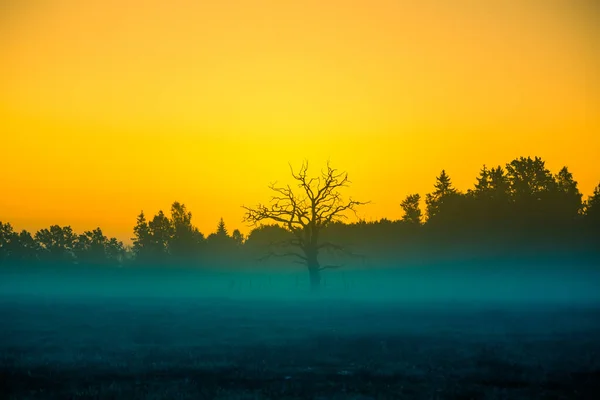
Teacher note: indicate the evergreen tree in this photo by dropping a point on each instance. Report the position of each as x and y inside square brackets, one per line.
[483, 186]
[221, 229]
[142, 240]
[412, 211]
[443, 191]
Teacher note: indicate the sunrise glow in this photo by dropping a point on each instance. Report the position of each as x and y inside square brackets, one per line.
[112, 107]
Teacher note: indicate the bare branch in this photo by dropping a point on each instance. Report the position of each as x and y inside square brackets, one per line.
[338, 248]
[318, 204]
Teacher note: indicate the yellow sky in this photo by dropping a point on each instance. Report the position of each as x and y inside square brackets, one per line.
[111, 107]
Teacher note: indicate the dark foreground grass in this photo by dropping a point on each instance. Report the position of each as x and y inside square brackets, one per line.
[109, 348]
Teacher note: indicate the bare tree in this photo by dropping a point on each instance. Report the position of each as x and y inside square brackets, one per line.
[318, 204]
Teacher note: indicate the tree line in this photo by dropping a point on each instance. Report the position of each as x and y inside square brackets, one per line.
[511, 210]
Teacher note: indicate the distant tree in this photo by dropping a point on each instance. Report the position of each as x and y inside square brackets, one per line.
[6, 239]
[568, 199]
[444, 190]
[483, 187]
[221, 229]
[221, 235]
[25, 248]
[491, 193]
[592, 208]
[57, 244]
[411, 208]
[115, 251]
[98, 246]
[142, 240]
[221, 246]
[305, 215]
[186, 239]
[237, 237]
[529, 179]
[161, 232]
[499, 184]
[90, 248]
[263, 236]
[532, 189]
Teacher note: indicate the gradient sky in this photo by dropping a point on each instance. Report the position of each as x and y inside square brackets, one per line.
[110, 107]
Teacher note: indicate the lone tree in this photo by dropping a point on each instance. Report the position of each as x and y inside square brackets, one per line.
[305, 214]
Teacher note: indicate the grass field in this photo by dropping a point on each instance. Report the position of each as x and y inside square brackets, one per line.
[99, 347]
[483, 333]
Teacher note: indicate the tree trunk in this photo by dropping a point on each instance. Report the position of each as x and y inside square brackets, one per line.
[315, 278]
[314, 268]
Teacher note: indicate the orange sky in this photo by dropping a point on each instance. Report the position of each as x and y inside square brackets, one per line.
[110, 107]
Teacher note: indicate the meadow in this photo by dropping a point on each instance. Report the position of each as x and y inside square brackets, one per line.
[184, 335]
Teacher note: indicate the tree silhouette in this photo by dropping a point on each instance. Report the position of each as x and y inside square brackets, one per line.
[23, 248]
[222, 247]
[161, 231]
[499, 184]
[483, 187]
[186, 239]
[90, 247]
[142, 240]
[513, 211]
[222, 229]
[443, 193]
[306, 214]
[568, 198]
[530, 180]
[57, 244]
[114, 251]
[6, 238]
[237, 237]
[411, 208]
[94, 248]
[592, 209]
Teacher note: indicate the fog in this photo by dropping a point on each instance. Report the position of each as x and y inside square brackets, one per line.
[448, 284]
[446, 331]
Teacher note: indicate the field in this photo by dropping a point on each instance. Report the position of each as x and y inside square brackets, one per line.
[100, 346]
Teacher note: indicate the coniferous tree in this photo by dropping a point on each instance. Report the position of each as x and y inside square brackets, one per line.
[483, 186]
[443, 191]
[142, 240]
[221, 229]
[412, 210]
